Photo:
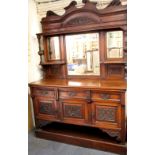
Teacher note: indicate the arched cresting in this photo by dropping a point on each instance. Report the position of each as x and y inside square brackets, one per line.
[81, 18]
[92, 18]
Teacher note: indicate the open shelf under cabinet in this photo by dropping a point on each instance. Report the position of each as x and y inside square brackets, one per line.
[80, 135]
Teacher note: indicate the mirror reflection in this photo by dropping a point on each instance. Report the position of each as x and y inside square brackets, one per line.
[114, 44]
[83, 54]
[53, 48]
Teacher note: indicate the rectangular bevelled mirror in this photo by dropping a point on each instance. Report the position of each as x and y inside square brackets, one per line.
[53, 48]
[83, 54]
[114, 44]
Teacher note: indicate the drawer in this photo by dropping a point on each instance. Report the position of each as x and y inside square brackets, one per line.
[67, 94]
[106, 96]
[43, 92]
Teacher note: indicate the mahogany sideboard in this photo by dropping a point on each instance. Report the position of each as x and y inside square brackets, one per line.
[81, 98]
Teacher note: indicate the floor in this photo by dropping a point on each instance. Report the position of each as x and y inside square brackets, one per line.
[37, 146]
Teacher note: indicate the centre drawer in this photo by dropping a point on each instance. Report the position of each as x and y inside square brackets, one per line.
[72, 93]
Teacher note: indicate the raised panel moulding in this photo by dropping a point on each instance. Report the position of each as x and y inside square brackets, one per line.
[72, 111]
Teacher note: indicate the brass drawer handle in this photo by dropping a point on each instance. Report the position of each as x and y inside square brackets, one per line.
[89, 101]
[105, 96]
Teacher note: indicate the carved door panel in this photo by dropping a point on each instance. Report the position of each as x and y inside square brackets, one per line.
[106, 115]
[46, 108]
[74, 111]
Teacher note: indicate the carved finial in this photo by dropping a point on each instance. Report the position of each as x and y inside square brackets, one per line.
[89, 2]
[50, 13]
[73, 3]
[115, 3]
[85, 1]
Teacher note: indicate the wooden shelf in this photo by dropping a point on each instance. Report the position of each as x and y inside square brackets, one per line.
[80, 135]
[114, 62]
[54, 63]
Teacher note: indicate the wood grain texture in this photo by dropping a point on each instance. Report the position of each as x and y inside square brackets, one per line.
[81, 83]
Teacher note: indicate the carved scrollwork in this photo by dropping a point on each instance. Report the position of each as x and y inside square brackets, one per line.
[46, 108]
[72, 111]
[51, 13]
[85, 1]
[41, 123]
[44, 92]
[112, 133]
[106, 114]
[80, 21]
[115, 3]
[105, 96]
[72, 4]
[71, 94]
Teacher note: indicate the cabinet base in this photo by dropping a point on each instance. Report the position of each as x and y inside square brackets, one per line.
[82, 136]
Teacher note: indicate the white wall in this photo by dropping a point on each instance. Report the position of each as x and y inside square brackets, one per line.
[33, 57]
[34, 72]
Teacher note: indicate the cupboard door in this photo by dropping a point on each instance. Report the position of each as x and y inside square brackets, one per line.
[74, 111]
[46, 108]
[106, 115]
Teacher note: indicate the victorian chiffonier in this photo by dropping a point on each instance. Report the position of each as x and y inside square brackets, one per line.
[81, 98]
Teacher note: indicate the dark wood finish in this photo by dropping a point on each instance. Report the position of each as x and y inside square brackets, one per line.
[95, 104]
[116, 71]
[56, 62]
[83, 102]
[84, 20]
[46, 108]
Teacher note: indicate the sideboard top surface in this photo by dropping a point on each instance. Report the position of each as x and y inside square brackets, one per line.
[85, 83]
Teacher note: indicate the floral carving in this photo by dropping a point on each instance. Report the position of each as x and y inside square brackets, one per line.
[105, 96]
[112, 133]
[106, 114]
[80, 21]
[41, 123]
[46, 108]
[72, 94]
[72, 111]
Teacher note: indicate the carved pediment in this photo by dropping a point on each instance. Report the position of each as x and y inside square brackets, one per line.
[80, 21]
[115, 3]
[81, 18]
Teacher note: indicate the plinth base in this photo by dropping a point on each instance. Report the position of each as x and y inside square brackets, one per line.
[82, 136]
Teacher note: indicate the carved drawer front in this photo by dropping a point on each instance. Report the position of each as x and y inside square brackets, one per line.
[46, 108]
[67, 94]
[43, 92]
[74, 111]
[106, 96]
[105, 115]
